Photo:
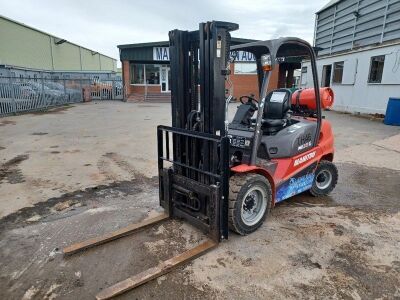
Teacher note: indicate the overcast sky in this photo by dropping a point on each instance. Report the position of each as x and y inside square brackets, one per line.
[102, 25]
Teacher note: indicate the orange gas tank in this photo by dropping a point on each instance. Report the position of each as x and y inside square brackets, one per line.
[307, 98]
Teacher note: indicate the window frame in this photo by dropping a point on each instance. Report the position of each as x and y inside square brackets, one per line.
[334, 80]
[370, 68]
[303, 76]
[244, 63]
[131, 66]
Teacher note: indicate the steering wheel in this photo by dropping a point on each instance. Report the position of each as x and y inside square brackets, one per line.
[250, 99]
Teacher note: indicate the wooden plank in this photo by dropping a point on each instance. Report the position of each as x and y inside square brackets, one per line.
[108, 237]
[152, 273]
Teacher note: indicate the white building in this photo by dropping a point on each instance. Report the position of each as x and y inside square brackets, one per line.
[358, 44]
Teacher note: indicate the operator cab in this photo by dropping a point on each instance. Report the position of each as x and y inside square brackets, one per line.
[276, 115]
[279, 131]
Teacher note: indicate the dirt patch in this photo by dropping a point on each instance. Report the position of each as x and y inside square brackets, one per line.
[2, 148]
[9, 170]
[351, 276]
[361, 187]
[7, 122]
[70, 201]
[304, 259]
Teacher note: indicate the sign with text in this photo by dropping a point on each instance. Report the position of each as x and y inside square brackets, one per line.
[242, 56]
[161, 53]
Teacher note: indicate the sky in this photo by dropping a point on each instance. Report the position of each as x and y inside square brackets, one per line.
[102, 25]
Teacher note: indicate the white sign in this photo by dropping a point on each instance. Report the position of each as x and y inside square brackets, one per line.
[242, 56]
[161, 53]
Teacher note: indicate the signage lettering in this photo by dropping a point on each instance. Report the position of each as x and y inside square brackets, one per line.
[304, 158]
[161, 53]
[242, 56]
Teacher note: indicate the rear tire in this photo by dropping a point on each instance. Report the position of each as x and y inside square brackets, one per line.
[250, 200]
[326, 177]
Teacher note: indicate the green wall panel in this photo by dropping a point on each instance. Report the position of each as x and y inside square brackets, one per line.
[24, 47]
[27, 47]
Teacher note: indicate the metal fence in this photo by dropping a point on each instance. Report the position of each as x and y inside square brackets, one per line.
[19, 94]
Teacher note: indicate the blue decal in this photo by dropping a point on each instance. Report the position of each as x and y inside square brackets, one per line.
[294, 186]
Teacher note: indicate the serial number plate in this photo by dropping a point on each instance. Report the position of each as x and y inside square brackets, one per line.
[239, 142]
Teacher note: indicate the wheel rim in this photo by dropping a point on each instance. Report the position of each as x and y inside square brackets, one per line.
[323, 179]
[253, 206]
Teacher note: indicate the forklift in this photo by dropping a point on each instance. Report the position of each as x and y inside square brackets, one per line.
[223, 176]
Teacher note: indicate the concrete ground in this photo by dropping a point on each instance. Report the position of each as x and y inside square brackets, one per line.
[79, 171]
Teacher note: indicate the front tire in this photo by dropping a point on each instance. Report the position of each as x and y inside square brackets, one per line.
[325, 180]
[250, 200]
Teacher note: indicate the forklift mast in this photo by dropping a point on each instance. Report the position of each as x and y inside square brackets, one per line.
[194, 185]
[199, 60]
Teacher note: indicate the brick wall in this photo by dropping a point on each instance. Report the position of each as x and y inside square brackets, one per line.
[245, 84]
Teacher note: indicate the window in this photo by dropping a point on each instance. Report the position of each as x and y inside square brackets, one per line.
[326, 76]
[338, 72]
[137, 74]
[296, 78]
[152, 73]
[245, 68]
[376, 69]
[303, 76]
[145, 74]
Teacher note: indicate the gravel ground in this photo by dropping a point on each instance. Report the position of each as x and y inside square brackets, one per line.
[79, 171]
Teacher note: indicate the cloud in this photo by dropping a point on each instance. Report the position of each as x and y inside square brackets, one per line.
[102, 25]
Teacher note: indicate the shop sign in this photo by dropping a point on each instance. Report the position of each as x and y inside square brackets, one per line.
[161, 53]
[242, 56]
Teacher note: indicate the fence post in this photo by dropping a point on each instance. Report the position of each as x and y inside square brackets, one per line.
[113, 89]
[14, 103]
[44, 99]
[82, 91]
[65, 93]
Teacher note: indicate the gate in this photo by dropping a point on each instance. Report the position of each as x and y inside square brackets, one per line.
[107, 89]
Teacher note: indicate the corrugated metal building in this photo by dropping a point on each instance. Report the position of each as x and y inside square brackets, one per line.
[358, 44]
[26, 47]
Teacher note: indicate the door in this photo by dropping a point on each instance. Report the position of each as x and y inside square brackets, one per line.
[326, 76]
[164, 74]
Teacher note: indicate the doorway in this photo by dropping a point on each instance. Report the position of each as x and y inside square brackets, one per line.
[326, 76]
[165, 73]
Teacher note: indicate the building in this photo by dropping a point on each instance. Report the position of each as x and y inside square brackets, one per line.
[26, 49]
[146, 72]
[358, 44]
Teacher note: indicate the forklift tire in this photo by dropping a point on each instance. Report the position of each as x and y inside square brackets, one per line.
[326, 177]
[250, 198]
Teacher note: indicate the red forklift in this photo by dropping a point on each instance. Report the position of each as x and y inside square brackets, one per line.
[220, 175]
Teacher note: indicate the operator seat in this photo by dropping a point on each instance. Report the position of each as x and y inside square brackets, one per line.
[277, 105]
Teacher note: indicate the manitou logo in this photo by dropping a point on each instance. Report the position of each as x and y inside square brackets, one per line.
[304, 158]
